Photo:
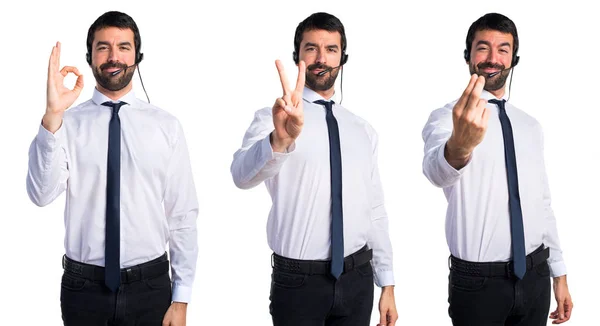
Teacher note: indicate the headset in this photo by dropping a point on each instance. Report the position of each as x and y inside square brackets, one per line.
[139, 56]
[514, 62]
[515, 58]
[343, 59]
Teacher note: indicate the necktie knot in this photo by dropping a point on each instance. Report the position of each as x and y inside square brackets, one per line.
[328, 104]
[114, 106]
[499, 103]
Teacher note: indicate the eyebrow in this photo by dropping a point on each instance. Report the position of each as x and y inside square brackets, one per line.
[335, 46]
[108, 44]
[490, 45]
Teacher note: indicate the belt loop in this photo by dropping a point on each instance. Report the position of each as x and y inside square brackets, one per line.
[450, 262]
[273, 260]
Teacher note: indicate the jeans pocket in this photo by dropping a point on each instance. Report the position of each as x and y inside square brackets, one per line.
[72, 282]
[158, 283]
[365, 270]
[288, 280]
[542, 269]
[466, 283]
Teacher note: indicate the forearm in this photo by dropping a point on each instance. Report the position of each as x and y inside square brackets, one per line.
[257, 163]
[47, 172]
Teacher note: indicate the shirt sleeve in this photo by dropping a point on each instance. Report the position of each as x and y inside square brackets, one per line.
[379, 237]
[435, 134]
[256, 162]
[48, 169]
[181, 210]
[551, 240]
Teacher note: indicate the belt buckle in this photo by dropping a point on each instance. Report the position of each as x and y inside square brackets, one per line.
[131, 274]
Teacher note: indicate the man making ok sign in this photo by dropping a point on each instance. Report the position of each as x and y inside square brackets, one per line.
[319, 163]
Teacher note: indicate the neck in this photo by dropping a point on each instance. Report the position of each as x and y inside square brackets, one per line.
[114, 95]
[326, 94]
[498, 93]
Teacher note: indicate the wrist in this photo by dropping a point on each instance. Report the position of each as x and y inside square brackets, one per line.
[179, 305]
[455, 155]
[389, 289]
[277, 145]
[560, 279]
[52, 121]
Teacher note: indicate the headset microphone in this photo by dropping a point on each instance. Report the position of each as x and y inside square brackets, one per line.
[327, 70]
[116, 72]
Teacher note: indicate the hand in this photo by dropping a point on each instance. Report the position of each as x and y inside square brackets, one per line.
[58, 97]
[470, 118]
[288, 115]
[387, 307]
[175, 315]
[563, 301]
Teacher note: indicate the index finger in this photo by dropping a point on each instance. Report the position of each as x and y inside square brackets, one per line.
[301, 76]
[53, 62]
[282, 77]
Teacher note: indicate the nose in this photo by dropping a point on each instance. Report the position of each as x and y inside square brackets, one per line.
[321, 57]
[493, 57]
[112, 55]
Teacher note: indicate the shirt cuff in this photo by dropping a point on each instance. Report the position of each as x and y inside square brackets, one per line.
[181, 293]
[448, 171]
[384, 278]
[47, 139]
[274, 157]
[558, 268]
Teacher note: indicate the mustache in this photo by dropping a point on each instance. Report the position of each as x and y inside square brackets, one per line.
[484, 65]
[112, 65]
[317, 66]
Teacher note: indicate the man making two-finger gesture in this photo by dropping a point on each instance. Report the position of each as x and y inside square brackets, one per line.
[487, 155]
[328, 227]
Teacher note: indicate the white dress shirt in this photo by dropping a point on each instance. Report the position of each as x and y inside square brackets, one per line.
[299, 223]
[158, 196]
[478, 219]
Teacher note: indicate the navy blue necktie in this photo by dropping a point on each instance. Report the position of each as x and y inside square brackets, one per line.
[112, 247]
[514, 199]
[335, 163]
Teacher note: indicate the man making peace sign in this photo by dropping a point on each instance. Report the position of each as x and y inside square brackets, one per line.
[319, 163]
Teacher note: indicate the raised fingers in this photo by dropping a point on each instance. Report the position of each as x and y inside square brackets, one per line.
[282, 77]
[67, 69]
[475, 95]
[464, 98]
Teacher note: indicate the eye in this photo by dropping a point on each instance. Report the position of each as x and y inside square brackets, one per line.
[102, 48]
[504, 51]
[482, 48]
[310, 49]
[332, 50]
[125, 48]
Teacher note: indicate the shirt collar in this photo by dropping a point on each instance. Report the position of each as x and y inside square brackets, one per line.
[99, 98]
[489, 96]
[311, 96]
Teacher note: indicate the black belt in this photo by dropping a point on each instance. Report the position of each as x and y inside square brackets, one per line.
[321, 267]
[539, 256]
[151, 269]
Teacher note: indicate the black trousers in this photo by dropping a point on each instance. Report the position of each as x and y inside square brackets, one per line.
[500, 300]
[89, 302]
[317, 300]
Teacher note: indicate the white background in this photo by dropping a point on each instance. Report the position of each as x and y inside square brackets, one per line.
[212, 66]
